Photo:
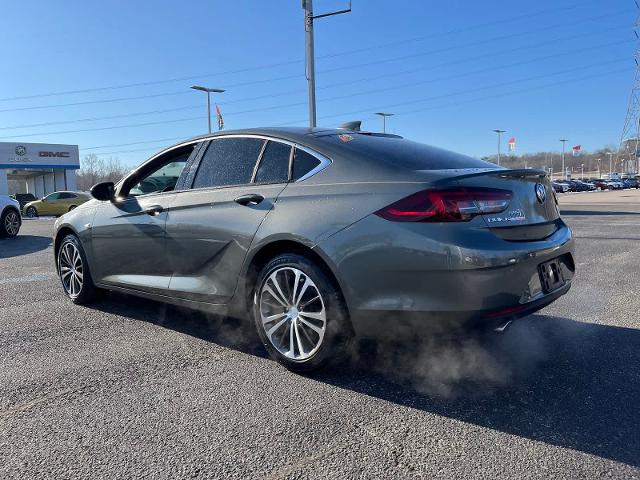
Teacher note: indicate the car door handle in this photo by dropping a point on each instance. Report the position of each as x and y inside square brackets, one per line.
[249, 199]
[154, 210]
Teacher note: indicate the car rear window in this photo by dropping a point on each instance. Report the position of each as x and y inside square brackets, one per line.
[274, 165]
[405, 153]
[228, 161]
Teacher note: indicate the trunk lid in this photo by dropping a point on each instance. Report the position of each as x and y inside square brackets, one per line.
[532, 213]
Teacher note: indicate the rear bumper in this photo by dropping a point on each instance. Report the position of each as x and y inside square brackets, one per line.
[441, 277]
[409, 323]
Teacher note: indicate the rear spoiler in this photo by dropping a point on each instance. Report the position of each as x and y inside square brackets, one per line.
[502, 172]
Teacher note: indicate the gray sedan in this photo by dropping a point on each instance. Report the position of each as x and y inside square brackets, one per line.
[318, 235]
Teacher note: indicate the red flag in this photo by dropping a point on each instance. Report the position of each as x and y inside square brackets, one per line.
[219, 117]
[576, 150]
[512, 144]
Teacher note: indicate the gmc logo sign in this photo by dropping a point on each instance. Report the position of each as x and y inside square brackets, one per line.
[54, 154]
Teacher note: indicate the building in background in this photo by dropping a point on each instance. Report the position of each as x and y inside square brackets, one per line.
[37, 168]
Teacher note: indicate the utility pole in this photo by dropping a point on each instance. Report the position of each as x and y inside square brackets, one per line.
[209, 92]
[582, 171]
[384, 120]
[599, 175]
[564, 172]
[307, 5]
[499, 132]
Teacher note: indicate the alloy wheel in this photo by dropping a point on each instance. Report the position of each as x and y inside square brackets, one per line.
[31, 212]
[71, 269]
[12, 223]
[292, 313]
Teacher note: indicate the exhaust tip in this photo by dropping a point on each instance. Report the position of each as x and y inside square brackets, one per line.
[502, 328]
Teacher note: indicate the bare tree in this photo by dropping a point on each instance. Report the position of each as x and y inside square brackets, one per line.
[95, 170]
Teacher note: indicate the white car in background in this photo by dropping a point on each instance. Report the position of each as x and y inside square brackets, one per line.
[10, 220]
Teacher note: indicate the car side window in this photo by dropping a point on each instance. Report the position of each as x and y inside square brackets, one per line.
[65, 195]
[165, 176]
[274, 164]
[303, 163]
[51, 197]
[228, 161]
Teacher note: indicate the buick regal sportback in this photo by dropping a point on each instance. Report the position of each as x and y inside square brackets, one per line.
[319, 234]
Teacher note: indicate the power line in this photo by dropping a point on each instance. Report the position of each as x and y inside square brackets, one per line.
[437, 97]
[410, 112]
[292, 62]
[359, 80]
[347, 67]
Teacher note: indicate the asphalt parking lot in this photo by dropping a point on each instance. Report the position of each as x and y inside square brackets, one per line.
[133, 389]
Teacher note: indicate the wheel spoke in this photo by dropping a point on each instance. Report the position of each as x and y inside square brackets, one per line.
[274, 295]
[295, 327]
[303, 290]
[272, 318]
[318, 330]
[292, 334]
[314, 315]
[274, 280]
[66, 273]
[273, 329]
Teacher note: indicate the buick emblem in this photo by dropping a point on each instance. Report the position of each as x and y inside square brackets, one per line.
[21, 150]
[541, 192]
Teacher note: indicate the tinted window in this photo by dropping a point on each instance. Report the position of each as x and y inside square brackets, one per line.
[53, 196]
[274, 165]
[303, 163]
[228, 161]
[65, 195]
[405, 153]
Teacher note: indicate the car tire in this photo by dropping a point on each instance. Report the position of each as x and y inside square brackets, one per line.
[308, 329]
[10, 223]
[32, 212]
[73, 271]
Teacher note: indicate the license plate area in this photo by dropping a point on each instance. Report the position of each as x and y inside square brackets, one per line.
[551, 276]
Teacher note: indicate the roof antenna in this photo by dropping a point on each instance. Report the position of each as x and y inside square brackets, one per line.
[353, 126]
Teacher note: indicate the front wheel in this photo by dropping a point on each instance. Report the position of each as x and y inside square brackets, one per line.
[300, 314]
[32, 212]
[74, 271]
[9, 223]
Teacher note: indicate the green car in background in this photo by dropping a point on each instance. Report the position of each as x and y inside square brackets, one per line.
[57, 203]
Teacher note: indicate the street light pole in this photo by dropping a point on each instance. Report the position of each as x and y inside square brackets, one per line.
[610, 170]
[309, 17]
[208, 91]
[384, 120]
[582, 171]
[499, 132]
[564, 171]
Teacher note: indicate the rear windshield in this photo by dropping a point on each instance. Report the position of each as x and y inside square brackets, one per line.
[405, 153]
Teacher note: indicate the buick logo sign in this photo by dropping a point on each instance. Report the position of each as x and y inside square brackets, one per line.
[541, 192]
[21, 150]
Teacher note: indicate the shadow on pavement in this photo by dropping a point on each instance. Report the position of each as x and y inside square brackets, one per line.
[23, 245]
[566, 383]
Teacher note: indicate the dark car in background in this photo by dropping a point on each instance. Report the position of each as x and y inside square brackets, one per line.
[24, 198]
[317, 234]
[600, 184]
[630, 183]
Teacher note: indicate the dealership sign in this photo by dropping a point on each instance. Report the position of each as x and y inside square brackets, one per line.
[38, 155]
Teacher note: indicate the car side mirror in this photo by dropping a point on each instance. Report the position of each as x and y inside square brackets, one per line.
[103, 191]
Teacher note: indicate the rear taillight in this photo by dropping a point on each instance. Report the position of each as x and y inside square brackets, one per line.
[447, 205]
